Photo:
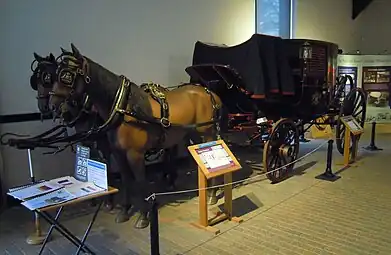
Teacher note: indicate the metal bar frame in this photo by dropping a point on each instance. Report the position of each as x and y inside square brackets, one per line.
[79, 243]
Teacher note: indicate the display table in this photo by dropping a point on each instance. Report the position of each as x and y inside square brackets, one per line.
[54, 221]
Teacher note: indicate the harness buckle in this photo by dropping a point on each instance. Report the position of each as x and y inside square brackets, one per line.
[165, 122]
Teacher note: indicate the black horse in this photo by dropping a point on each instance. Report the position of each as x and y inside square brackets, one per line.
[80, 116]
[140, 121]
[42, 81]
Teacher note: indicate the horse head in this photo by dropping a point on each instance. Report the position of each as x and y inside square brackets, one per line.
[42, 79]
[67, 96]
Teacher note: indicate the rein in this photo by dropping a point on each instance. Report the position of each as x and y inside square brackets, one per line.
[117, 113]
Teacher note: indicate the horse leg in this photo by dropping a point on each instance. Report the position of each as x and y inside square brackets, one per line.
[137, 163]
[126, 181]
[170, 169]
[211, 193]
[103, 146]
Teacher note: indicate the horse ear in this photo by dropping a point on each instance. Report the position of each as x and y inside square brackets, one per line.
[52, 58]
[75, 51]
[38, 57]
[63, 50]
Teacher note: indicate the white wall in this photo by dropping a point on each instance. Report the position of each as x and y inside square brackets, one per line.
[146, 40]
[374, 28]
[327, 20]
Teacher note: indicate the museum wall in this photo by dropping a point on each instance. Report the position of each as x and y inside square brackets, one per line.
[326, 20]
[374, 28]
[146, 40]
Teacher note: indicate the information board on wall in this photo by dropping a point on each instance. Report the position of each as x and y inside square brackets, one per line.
[376, 82]
[374, 76]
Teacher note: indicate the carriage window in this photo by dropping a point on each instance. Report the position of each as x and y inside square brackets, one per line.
[273, 17]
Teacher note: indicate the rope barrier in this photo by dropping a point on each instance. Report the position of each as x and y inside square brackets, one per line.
[154, 195]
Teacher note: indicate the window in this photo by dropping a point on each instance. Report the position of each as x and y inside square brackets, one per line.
[274, 17]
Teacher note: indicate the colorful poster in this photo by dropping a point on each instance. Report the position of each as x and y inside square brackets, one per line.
[215, 158]
[352, 72]
[376, 81]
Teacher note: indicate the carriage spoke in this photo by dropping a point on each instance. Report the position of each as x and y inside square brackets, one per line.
[281, 149]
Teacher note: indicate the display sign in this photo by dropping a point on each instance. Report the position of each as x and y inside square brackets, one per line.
[352, 124]
[214, 158]
[97, 173]
[374, 76]
[82, 156]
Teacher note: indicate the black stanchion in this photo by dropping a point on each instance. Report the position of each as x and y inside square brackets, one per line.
[154, 226]
[328, 174]
[372, 146]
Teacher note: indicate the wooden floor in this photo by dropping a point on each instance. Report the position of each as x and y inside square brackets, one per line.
[301, 215]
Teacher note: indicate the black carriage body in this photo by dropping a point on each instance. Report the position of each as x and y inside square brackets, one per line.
[275, 77]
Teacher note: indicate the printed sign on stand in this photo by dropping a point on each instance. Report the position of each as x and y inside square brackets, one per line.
[214, 159]
[82, 156]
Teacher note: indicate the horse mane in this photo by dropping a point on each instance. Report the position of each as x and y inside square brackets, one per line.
[110, 82]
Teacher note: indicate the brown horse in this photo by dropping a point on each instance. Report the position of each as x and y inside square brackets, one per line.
[146, 120]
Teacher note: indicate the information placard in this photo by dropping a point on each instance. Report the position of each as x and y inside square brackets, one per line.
[97, 173]
[352, 124]
[82, 155]
[214, 158]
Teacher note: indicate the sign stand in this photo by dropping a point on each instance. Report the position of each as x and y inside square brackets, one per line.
[352, 128]
[214, 159]
[37, 237]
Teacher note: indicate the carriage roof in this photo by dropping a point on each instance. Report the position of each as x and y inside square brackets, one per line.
[260, 63]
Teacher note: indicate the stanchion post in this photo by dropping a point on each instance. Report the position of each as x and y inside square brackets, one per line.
[37, 237]
[328, 174]
[154, 226]
[372, 146]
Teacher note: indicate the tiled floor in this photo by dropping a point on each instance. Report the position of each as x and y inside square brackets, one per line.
[301, 215]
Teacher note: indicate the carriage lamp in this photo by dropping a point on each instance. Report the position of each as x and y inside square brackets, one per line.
[306, 51]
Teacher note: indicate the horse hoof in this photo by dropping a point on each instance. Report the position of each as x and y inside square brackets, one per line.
[122, 217]
[141, 223]
[212, 200]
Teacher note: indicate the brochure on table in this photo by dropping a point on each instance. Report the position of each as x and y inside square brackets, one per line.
[90, 179]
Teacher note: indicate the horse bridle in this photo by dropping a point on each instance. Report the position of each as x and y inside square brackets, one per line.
[66, 75]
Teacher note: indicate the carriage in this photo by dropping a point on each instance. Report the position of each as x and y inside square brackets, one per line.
[274, 90]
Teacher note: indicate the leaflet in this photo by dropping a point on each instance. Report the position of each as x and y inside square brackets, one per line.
[53, 198]
[83, 189]
[35, 190]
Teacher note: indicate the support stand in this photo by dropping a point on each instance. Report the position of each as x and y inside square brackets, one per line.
[37, 237]
[372, 146]
[214, 159]
[328, 174]
[206, 223]
[154, 227]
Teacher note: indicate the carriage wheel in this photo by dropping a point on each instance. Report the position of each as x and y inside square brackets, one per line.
[355, 105]
[281, 149]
